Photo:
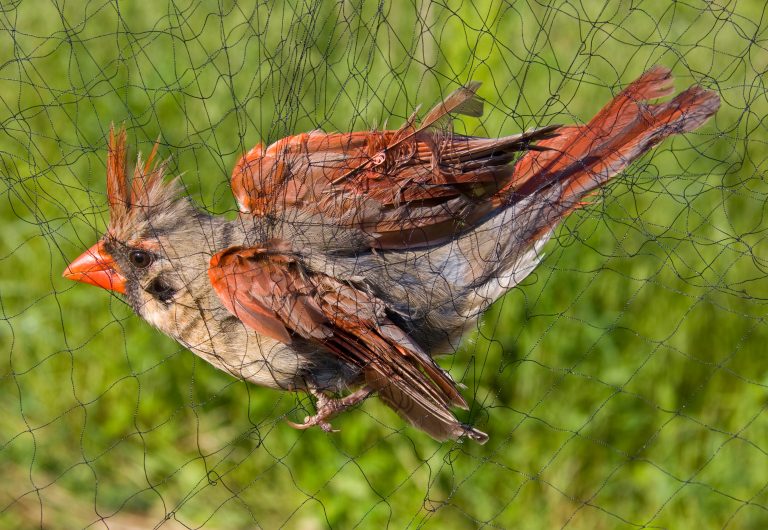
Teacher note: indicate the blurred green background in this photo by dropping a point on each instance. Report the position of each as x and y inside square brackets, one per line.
[624, 385]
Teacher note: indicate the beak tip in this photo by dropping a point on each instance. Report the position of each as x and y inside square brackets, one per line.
[97, 268]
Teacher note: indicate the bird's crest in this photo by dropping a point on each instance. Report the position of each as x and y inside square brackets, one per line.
[142, 193]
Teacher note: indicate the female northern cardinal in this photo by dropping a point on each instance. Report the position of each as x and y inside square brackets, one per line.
[358, 256]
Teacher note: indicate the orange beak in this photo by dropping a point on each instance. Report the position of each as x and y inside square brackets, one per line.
[96, 266]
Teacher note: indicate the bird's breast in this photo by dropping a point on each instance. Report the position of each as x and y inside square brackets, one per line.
[216, 336]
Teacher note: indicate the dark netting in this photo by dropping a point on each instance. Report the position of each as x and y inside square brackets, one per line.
[622, 384]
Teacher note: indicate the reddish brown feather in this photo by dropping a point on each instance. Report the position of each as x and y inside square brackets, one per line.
[117, 188]
[233, 282]
[271, 293]
[146, 178]
[587, 156]
[145, 190]
[374, 173]
[411, 187]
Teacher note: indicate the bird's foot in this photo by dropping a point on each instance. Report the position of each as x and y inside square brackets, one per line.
[328, 407]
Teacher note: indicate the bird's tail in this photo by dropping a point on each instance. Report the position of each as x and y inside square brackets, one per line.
[584, 157]
[551, 181]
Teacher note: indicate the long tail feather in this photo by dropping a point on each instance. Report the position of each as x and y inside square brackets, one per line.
[436, 421]
[585, 157]
[551, 181]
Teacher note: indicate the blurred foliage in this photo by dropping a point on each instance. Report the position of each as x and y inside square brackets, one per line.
[623, 385]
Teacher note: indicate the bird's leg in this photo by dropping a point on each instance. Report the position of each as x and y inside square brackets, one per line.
[328, 407]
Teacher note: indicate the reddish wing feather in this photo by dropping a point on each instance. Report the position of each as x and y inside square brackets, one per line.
[411, 187]
[405, 187]
[249, 289]
[271, 293]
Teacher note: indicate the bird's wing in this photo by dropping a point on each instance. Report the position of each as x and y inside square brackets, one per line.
[274, 295]
[418, 185]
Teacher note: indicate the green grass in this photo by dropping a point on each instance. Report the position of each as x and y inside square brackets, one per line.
[623, 385]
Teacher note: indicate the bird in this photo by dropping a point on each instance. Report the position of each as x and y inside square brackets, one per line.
[356, 258]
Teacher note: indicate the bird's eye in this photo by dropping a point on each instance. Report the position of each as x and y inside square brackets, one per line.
[140, 258]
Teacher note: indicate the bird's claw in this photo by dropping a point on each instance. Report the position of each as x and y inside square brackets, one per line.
[311, 421]
[327, 408]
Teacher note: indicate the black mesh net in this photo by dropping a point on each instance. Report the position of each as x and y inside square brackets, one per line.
[622, 384]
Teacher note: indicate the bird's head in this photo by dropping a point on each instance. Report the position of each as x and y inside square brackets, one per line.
[155, 245]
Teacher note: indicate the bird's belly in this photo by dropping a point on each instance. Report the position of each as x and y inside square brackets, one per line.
[222, 340]
[251, 357]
